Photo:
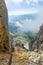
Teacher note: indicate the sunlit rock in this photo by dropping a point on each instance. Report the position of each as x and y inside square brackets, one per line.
[4, 35]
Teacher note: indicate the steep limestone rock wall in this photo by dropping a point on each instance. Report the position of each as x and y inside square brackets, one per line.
[4, 35]
[38, 42]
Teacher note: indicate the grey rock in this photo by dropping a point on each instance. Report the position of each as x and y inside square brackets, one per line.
[38, 42]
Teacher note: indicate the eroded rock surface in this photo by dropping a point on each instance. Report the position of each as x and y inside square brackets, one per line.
[4, 35]
[38, 42]
[22, 58]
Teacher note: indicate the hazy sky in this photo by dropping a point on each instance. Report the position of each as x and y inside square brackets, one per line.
[16, 7]
[20, 7]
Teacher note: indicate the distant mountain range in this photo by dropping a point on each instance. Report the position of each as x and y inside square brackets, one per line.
[21, 17]
[14, 29]
[13, 19]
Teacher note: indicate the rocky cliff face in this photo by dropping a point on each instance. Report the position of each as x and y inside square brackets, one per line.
[4, 35]
[38, 42]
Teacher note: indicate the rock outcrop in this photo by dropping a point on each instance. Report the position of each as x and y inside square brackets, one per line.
[38, 42]
[22, 58]
[4, 35]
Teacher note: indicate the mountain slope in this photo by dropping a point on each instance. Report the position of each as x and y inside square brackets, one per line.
[37, 43]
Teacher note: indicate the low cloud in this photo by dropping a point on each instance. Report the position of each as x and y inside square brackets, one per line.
[32, 25]
[18, 24]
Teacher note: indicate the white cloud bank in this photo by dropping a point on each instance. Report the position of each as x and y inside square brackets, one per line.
[32, 25]
[33, 1]
[22, 12]
[17, 24]
[17, 1]
[21, 1]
